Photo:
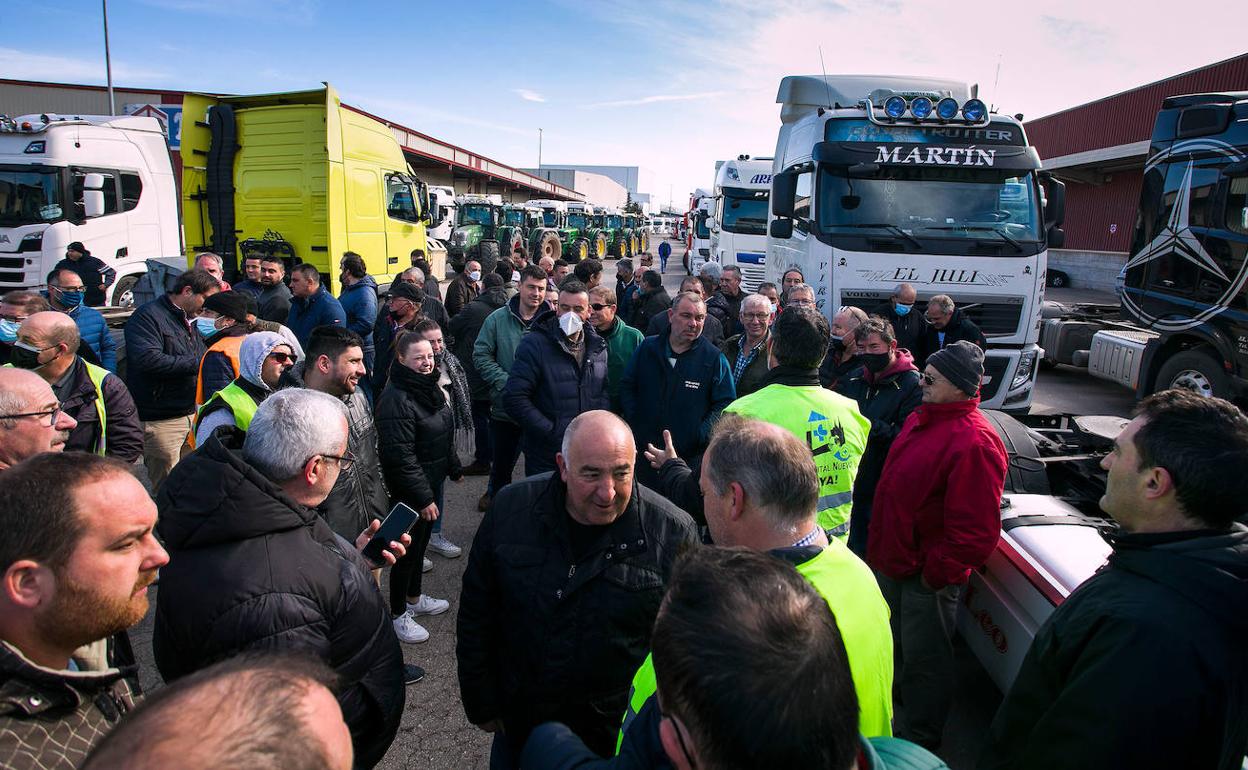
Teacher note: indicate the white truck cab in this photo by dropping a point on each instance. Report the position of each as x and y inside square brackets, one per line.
[553, 211]
[442, 207]
[698, 237]
[738, 223]
[105, 181]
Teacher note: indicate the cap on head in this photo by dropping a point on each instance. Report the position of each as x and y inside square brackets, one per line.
[231, 304]
[962, 363]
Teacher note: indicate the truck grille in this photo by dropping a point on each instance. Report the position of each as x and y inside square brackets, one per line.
[12, 263]
[994, 318]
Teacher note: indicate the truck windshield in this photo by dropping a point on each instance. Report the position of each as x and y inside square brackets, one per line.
[576, 220]
[699, 226]
[474, 215]
[745, 211]
[29, 197]
[930, 202]
[514, 217]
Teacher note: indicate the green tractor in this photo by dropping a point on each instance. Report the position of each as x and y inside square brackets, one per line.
[524, 225]
[475, 236]
[572, 228]
[582, 229]
[637, 236]
[617, 236]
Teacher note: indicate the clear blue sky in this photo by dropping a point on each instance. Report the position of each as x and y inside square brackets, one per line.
[669, 85]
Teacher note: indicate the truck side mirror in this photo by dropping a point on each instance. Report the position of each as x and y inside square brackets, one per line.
[781, 228]
[711, 223]
[783, 193]
[1057, 237]
[1055, 206]
[93, 195]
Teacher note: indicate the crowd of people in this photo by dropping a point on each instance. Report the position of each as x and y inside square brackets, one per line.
[740, 537]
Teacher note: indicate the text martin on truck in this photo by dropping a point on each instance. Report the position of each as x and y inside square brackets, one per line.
[881, 180]
[105, 181]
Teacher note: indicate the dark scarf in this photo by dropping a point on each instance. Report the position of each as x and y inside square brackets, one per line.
[422, 387]
[794, 376]
[461, 398]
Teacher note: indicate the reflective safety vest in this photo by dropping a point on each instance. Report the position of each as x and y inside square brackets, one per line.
[831, 426]
[237, 400]
[849, 587]
[230, 347]
[97, 375]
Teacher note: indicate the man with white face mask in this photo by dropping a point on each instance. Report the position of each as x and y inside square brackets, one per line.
[560, 371]
[464, 288]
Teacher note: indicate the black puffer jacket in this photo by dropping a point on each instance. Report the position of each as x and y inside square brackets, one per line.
[547, 388]
[358, 496]
[544, 637]
[417, 443]
[648, 304]
[1144, 665]
[250, 569]
[162, 360]
[465, 327]
[959, 328]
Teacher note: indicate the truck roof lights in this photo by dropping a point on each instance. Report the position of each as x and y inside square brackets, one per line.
[921, 107]
[974, 110]
[895, 107]
[947, 108]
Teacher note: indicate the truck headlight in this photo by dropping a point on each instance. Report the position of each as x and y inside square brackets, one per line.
[1026, 365]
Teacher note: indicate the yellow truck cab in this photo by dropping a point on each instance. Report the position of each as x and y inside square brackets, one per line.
[300, 176]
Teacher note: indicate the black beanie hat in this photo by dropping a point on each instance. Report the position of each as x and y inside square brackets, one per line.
[231, 304]
[962, 363]
[407, 291]
[78, 247]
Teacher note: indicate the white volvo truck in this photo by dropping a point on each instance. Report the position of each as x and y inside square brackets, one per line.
[880, 180]
[105, 181]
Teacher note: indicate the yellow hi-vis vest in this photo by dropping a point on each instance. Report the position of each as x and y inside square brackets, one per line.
[831, 426]
[96, 374]
[853, 594]
[237, 400]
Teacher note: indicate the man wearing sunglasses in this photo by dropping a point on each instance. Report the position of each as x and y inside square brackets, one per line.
[263, 358]
[31, 420]
[622, 339]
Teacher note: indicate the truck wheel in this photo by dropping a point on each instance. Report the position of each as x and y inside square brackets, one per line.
[549, 246]
[1025, 473]
[600, 247]
[488, 256]
[123, 292]
[1196, 371]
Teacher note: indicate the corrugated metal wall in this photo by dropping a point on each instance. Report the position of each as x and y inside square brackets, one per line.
[1092, 211]
[1128, 116]
[25, 98]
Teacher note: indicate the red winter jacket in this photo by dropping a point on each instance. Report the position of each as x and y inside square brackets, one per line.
[937, 506]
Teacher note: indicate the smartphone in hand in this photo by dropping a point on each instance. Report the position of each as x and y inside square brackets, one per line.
[397, 523]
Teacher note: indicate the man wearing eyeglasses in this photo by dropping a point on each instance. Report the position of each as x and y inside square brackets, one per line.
[254, 567]
[97, 399]
[31, 420]
[746, 352]
[622, 339]
[946, 324]
[935, 517]
[263, 358]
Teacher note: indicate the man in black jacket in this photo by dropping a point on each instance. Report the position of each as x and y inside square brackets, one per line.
[560, 371]
[661, 324]
[334, 365]
[564, 580]
[162, 368]
[274, 297]
[242, 519]
[946, 324]
[465, 327]
[725, 303]
[907, 321]
[887, 390]
[1145, 664]
[651, 302]
[96, 275]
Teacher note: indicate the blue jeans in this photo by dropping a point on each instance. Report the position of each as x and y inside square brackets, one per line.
[440, 499]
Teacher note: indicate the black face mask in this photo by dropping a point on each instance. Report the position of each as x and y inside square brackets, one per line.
[24, 358]
[875, 362]
[838, 345]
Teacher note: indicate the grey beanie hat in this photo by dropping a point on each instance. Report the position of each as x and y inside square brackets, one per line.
[962, 363]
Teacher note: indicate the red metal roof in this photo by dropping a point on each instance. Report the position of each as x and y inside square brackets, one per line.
[1128, 117]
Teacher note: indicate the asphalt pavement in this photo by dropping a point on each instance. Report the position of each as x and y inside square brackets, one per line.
[435, 733]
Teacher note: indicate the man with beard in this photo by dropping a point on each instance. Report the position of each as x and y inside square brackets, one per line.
[78, 555]
[274, 297]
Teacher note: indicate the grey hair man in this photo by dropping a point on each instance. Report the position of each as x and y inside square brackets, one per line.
[800, 295]
[240, 516]
[746, 352]
[213, 265]
[257, 710]
[31, 420]
[591, 509]
[841, 364]
[947, 324]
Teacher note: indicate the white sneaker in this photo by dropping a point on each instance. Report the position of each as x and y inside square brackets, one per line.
[426, 565]
[408, 630]
[443, 547]
[428, 606]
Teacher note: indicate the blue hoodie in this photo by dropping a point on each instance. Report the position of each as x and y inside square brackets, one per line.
[359, 302]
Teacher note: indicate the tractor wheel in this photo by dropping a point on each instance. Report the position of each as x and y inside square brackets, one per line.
[488, 256]
[548, 246]
[581, 249]
[645, 241]
[621, 250]
[636, 244]
[600, 247]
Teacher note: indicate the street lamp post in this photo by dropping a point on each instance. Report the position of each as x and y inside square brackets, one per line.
[108, 64]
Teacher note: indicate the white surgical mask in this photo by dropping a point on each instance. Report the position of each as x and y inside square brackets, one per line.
[772, 305]
[474, 276]
[570, 323]
[515, 276]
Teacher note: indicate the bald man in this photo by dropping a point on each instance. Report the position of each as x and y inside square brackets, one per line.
[563, 583]
[31, 420]
[107, 422]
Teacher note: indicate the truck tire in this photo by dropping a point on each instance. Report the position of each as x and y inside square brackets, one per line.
[600, 247]
[548, 246]
[488, 256]
[1025, 473]
[1194, 370]
[123, 292]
